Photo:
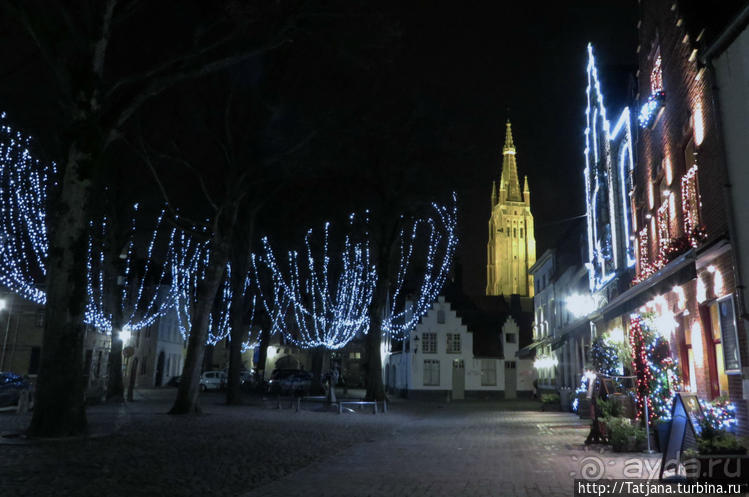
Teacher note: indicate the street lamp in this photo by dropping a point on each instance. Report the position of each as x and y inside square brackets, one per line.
[3, 305]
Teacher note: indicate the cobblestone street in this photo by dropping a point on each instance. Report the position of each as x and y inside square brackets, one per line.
[417, 449]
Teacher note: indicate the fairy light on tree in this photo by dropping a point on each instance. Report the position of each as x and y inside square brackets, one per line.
[328, 307]
[25, 183]
[404, 313]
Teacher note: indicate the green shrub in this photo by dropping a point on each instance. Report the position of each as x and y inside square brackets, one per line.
[550, 398]
[716, 441]
[623, 434]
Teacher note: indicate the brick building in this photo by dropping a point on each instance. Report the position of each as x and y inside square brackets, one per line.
[685, 273]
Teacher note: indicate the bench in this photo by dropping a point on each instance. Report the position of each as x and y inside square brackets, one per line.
[342, 404]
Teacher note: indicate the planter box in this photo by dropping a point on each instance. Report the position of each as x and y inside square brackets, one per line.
[728, 468]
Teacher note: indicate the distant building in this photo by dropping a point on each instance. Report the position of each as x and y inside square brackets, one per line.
[511, 249]
[21, 336]
[463, 348]
[156, 353]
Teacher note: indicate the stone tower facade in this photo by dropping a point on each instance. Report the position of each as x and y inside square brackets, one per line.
[512, 244]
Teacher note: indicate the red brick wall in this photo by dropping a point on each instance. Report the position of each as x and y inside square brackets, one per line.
[685, 86]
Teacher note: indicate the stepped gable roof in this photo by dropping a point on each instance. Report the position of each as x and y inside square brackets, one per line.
[485, 315]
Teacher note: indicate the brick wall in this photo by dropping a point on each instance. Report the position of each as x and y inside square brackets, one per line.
[662, 146]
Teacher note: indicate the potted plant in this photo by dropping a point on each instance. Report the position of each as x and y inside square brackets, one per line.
[624, 436]
[720, 457]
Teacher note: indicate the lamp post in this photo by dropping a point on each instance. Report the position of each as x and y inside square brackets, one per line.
[3, 305]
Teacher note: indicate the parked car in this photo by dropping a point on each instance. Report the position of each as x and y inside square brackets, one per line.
[290, 381]
[212, 380]
[12, 388]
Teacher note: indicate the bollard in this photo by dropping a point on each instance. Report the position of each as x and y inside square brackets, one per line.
[278, 401]
[298, 403]
[385, 406]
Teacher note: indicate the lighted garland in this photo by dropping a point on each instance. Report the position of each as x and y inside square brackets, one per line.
[720, 413]
[327, 308]
[24, 186]
[657, 375]
[605, 358]
[403, 314]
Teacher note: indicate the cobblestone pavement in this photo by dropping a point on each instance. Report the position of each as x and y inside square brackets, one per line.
[465, 450]
[417, 449]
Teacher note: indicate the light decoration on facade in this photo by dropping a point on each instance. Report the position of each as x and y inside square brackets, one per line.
[690, 206]
[580, 305]
[657, 96]
[717, 280]
[663, 220]
[606, 240]
[545, 362]
[681, 300]
[650, 108]
[698, 122]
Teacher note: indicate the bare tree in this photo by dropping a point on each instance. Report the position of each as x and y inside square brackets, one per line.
[98, 91]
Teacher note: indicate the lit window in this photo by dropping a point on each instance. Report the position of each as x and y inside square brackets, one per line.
[656, 74]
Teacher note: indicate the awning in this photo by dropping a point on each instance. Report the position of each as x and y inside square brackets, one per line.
[528, 349]
[677, 272]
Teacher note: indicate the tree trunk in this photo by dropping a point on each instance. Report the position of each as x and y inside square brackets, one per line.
[373, 343]
[262, 355]
[234, 380]
[187, 393]
[59, 405]
[115, 385]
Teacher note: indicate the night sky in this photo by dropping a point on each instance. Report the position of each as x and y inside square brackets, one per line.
[468, 63]
[531, 58]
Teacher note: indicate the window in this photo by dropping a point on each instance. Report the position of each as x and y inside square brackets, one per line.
[515, 232]
[354, 355]
[508, 230]
[40, 319]
[690, 197]
[431, 372]
[664, 227]
[656, 74]
[510, 337]
[453, 343]
[143, 366]
[521, 232]
[510, 365]
[429, 343]
[441, 316]
[725, 342]
[488, 372]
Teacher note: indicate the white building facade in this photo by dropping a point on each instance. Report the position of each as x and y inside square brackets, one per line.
[441, 361]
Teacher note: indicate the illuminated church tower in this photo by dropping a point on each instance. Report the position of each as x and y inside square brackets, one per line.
[512, 245]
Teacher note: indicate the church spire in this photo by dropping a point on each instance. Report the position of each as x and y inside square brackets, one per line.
[509, 145]
[494, 193]
[510, 168]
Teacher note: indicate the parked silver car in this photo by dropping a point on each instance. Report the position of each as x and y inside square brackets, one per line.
[212, 380]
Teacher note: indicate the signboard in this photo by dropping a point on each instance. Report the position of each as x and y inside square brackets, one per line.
[694, 410]
[686, 415]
